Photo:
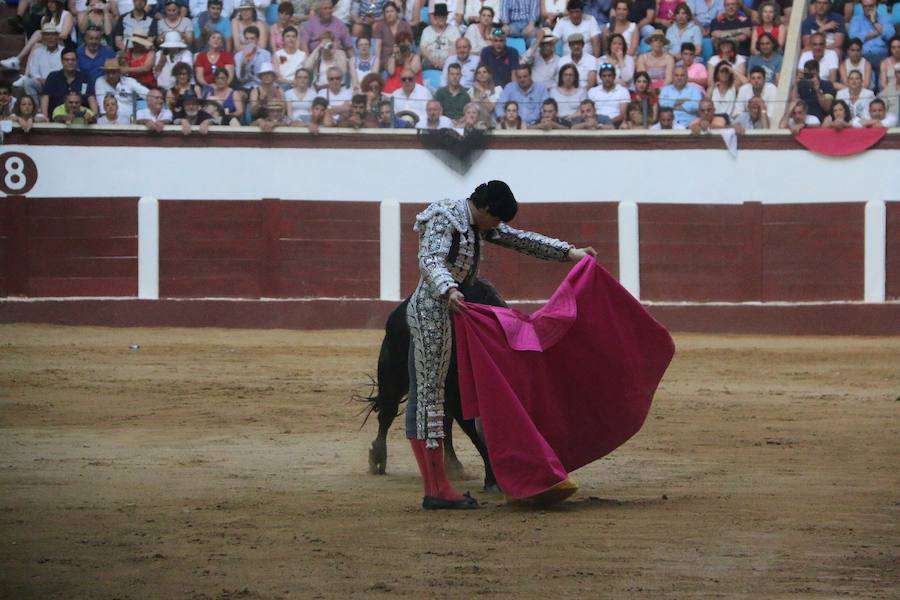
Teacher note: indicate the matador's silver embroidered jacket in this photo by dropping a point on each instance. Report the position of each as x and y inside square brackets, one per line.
[449, 252]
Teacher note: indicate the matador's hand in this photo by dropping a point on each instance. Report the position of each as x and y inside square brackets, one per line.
[456, 301]
[576, 254]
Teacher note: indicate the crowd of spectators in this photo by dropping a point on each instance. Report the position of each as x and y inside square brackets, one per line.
[463, 64]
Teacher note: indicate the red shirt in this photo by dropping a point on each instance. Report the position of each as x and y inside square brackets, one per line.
[202, 60]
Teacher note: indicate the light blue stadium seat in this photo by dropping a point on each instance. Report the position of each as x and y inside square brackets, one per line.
[895, 16]
[560, 48]
[272, 13]
[517, 43]
[432, 79]
[643, 48]
[708, 49]
[423, 15]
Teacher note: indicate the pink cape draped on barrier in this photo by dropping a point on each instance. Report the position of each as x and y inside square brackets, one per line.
[562, 387]
[839, 142]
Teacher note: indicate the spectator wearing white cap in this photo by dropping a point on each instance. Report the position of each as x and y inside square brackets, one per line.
[56, 16]
[584, 62]
[267, 90]
[543, 59]
[171, 52]
[173, 20]
[578, 22]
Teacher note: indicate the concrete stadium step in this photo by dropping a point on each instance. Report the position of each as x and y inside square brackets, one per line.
[10, 44]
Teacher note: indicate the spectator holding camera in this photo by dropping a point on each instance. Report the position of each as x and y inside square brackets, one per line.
[311, 32]
[816, 93]
[402, 59]
[323, 59]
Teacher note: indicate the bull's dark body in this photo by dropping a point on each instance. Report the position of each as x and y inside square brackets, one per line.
[393, 385]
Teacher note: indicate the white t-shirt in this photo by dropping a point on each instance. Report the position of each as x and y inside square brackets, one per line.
[609, 103]
[120, 120]
[289, 63]
[809, 120]
[443, 123]
[568, 104]
[301, 108]
[588, 28]
[439, 45]
[888, 121]
[675, 125]
[341, 97]
[860, 108]
[746, 92]
[145, 115]
[126, 92]
[473, 8]
[415, 102]
[587, 64]
[829, 61]
[716, 59]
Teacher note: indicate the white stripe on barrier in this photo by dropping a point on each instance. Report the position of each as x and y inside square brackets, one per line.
[390, 250]
[629, 249]
[875, 249]
[148, 248]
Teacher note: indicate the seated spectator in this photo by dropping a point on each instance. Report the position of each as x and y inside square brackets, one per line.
[683, 99]
[455, 10]
[156, 116]
[684, 29]
[249, 60]
[111, 114]
[756, 88]
[510, 118]
[617, 55]
[723, 92]
[272, 116]
[636, 117]
[825, 22]
[97, 15]
[878, 116]
[69, 78]
[768, 57]
[839, 117]
[7, 101]
[697, 74]
[266, 91]
[484, 91]
[26, 113]
[138, 19]
[856, 96]
[140, 59]
[384, 33]
[551, 11]
[890, 93]
[93, 55]
[814, 92]
[434, 117]
[707, 119]
[336, 94]
[732, 24]
[209, 22]
[437, 39]
[543, 59]
[72, 112]
[585, 63]
[667, 120]
[231, 101]
[320, 116]
[172, 52]
[770, 22]
[530, 96]
[610, 98]
[411, 96]
[402, 58]
[245, 19]
[324, 58]
[587, 118]
[358, 116]
[827, 59]
[648, 97]
[854, 62]
[499, 58]
[643, 13]
[473, 11]
[300, 97]
[43, 60]
[363, 16]
[126, 90]
[889, 64]
[363, 63]
[665, 13]
[578, 22]
[550, 119]
[386, 117]
[518, 18]
[472, 119]
[480, 35]
[453, 98]
[324, 20]
[276, 31]
[216, 58]
[796, 117]
[373, 89]
[875, 30]
[174, 21]
[726, 52]
[622, 25]
[754, 116]
[182, 84]
[567, 92]
[705, 12]
[657, 63]
[466, 62]
[188, 114]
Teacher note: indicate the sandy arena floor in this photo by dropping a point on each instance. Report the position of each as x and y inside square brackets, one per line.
[229, 464]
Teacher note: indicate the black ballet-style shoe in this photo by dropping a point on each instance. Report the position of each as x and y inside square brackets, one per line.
[435, 503]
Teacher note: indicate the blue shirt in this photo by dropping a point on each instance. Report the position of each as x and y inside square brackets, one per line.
[223, 27]
[57, 87]
[772, 66]
[499, 66]
[93, 66]
[599, 9]
[512, 11]
[705, 14]
[530, 101]
[860, 26]
[811, 26]
[691, 97]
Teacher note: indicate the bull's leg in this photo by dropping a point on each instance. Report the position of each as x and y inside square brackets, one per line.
[453, 466]
[378, 451]
[490, 482]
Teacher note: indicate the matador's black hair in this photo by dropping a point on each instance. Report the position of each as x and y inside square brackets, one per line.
[497, 198]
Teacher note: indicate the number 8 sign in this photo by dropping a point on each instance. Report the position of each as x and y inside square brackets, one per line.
[18, 173]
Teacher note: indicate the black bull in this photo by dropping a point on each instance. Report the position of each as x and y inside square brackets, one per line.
[392, 386]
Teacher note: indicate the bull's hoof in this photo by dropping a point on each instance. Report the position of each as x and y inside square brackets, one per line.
[377, 458]
[492, 488]
[455, 469]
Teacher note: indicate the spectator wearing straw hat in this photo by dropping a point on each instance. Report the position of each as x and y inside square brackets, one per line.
[267, 90]
[68, 79]
[545, 63]
[126, 90]
[658, 62]
[140, 58]
[578, 22]
[734, 24]
[138, 19]
[44, 59]
[584, 62]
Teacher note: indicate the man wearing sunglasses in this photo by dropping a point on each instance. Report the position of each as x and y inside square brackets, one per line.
[411, 96]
